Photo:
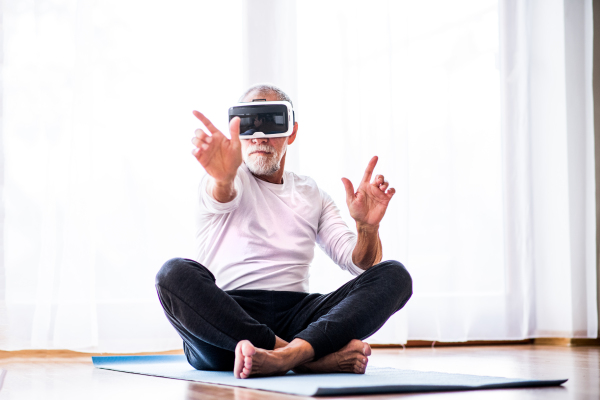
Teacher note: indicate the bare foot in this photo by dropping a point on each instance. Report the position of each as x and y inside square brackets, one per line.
[353, 358]
[251, 360]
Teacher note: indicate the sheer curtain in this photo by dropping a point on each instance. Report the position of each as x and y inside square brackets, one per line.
[480, 113]
[549, 188]
[418, 85]
[99, 182]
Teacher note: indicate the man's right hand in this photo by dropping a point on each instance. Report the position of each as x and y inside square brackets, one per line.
[219, 156]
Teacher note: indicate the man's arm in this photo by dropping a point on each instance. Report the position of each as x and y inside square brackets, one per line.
[223, 192]
[367, 206]
[368, 250]
[219, 156]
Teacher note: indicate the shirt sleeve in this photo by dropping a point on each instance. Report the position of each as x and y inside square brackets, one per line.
[208, 204]
[334, 237]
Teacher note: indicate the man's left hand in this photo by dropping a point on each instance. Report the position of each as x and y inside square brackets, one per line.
[367, 206]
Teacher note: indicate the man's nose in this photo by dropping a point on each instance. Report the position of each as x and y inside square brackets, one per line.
[260, 140]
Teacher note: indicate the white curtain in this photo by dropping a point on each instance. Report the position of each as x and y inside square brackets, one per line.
[481, 114]
[549, 183]
[99, 182]
[416, 83]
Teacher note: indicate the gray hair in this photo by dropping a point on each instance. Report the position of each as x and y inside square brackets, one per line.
[265, 88]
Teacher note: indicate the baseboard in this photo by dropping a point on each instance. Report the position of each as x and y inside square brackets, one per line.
[69, 353]
[568, 342]
[429, 343]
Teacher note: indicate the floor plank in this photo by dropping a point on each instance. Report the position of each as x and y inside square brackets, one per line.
[69, 377]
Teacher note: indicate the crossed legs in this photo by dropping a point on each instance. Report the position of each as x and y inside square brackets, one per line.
[315, 333]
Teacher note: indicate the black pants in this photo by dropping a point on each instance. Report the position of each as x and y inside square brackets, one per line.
[211, 321]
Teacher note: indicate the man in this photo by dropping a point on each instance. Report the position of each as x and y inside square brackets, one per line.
[243, 305]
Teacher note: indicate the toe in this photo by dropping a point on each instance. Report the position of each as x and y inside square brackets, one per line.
[247, 370]
[359, 368]
[242, 366]
[248, 349]
[245, 373]
[366, 349]
[239, 361]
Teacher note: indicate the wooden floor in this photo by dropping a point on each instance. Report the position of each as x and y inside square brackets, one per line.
[68, 377]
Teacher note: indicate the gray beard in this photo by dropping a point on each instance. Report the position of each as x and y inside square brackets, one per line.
[260, 165]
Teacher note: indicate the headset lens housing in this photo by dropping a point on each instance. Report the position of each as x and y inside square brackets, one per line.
[263, 119]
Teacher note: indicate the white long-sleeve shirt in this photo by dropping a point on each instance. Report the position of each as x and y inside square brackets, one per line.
[265, 237]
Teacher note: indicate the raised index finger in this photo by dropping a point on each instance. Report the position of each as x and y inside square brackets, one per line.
[369, 170]
[211, 128]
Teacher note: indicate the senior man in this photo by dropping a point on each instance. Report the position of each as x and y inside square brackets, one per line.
[244, 305]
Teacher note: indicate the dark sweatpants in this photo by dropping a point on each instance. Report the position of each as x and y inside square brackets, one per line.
[211, 321]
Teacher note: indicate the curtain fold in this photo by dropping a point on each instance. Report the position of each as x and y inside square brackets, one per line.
[549, 188]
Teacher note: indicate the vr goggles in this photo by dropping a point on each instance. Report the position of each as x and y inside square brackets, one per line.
[264, 119]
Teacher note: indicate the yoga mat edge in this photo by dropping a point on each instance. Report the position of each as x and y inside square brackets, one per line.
[381, 380]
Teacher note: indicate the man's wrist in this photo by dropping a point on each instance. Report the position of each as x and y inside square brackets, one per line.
[361, 227]
[222, 191]
[223, 184]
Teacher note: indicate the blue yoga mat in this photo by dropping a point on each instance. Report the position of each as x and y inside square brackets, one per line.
[375, 380]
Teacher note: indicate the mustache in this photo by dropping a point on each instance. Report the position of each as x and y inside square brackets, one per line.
[261, 147]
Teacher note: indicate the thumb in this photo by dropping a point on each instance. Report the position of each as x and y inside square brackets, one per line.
[234, 129]
[349, 189]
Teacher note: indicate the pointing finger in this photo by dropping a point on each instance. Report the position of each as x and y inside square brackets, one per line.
[206, 122]
[369, 170]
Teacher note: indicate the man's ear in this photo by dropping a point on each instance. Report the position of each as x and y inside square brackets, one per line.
[292, 137]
